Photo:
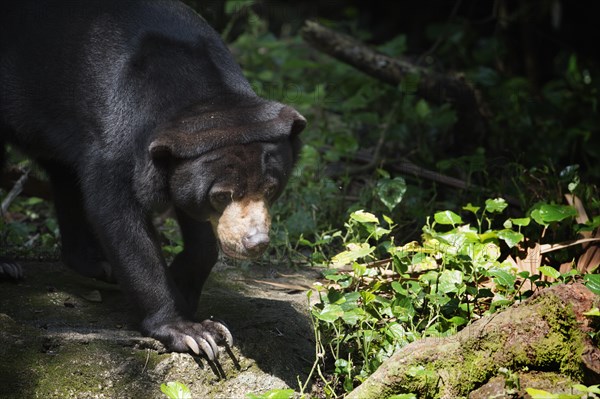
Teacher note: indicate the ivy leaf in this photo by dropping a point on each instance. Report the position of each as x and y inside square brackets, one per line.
[273, 394]
[364, 217]
[541, 394]
[449, 281]
[352, 316]
[330, 313]
[471, 208]
[520, 221]
[549, 272]
[592, 312]
[496, 205]
[591, 388]
[354, 252]
[510, 237]
[458, 321]
[391, 191]
[592, 282]
[503, 278]
[176, 390]
[447, 217]
[548, 213]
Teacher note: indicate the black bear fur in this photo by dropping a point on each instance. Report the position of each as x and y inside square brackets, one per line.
[131, 106]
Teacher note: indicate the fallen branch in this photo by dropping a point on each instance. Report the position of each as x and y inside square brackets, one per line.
[13, 193]
[432, 86]
[32, 187]
[547, 332]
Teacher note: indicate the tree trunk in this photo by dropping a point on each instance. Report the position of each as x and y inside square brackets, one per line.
[546, 334]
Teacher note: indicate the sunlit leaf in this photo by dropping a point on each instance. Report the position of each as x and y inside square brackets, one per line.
[548, 213]
[471, 208]
[592, 312]
[352, 316]
[549, 272]
[496, 205]
[458, 321]
[503, 278]
[176, 390]
[273, 394]
[520, 221]
[449, 281]
[510, 237]
[540, 394]
[354, 252]
[447, 217]
[330, 313]
[364, 217]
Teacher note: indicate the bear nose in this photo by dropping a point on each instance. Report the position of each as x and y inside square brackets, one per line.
[256, 242]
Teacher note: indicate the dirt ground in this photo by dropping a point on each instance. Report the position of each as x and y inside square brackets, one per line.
[66, 336]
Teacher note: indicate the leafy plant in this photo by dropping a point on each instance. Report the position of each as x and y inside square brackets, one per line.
[176, 390]
[380, 296]
[273, 394]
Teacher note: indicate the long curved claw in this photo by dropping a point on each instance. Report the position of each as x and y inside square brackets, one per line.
[225, 333]
[213, 345]
[206, 348]
[191, 343]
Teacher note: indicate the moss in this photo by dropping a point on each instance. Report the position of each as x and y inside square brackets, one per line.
[564, 342]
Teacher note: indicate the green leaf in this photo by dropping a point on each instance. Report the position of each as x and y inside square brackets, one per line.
[391, 191]
[592, 312]
[364, 217]
[273, 394]
[520, 221]
[458, 321]
[549, 272]
[176, 390]
[354, 252]
[471, 208]
[592, 282]
[330, 313]
[548, 213]
[449, 281]
[33, 201]
[510, 237]
[403, 396]
[353, 316]
[540, 394]
[591, 388]
[422, 109]
[447, 217]
[231, 7]
[503, 278]
[496, 205]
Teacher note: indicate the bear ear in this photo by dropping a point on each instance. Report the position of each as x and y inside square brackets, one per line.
[159, 150]
[298, 122]
[204, 130]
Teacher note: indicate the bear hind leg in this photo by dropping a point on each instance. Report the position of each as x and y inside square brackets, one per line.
[81, 250]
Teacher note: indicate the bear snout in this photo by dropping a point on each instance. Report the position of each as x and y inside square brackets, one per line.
[243, 228]
[256, 243]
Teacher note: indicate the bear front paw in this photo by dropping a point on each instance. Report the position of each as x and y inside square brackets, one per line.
[183, 336]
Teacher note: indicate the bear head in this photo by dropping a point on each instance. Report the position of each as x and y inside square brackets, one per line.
[228, 165]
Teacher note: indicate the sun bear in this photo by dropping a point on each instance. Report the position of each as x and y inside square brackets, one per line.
[131, 106]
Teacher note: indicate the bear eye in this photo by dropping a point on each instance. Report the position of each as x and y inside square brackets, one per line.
[221, 198]
[270, 191]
